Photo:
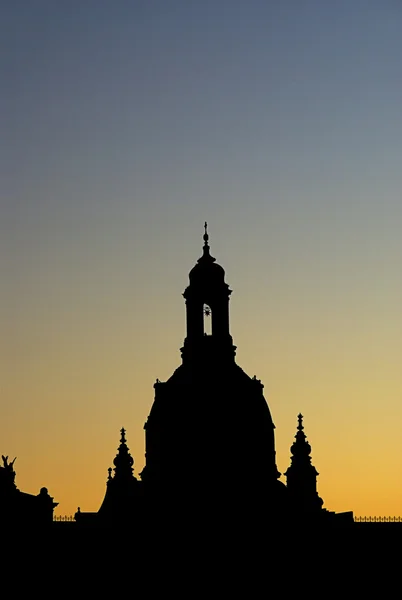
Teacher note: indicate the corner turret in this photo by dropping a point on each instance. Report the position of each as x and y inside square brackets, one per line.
[122, 488]
[301, 476]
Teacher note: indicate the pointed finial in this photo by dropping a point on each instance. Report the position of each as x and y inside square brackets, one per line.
[206, 245]
[300, 419]
[206, 236]
[123, 461]
[123, 435]
[110, 472]
[206, 258]
[300, 447]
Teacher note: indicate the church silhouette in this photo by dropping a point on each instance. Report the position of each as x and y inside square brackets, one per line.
[209, 441]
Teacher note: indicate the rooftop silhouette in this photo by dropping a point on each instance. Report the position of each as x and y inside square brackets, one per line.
[209, 443]
[210, 437]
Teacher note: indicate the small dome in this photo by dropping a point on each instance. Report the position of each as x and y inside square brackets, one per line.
[301, 447]
[207, 269]
[123, 460]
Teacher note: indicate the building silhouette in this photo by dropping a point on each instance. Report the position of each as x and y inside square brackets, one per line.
[123, 497]
[18, 507]
[210, 460]
[301, 476]
[209, 437]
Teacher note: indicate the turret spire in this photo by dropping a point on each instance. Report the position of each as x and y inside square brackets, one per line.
[123, 436]
[205, 248]
[122, 487]
[206, 236]
[301, 476]
[301, 449]
[124, 461]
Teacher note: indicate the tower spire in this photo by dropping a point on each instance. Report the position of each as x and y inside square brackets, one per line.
[124, 461]
[205, 248]
[301, 449]
[206, 236]
[123, 436]
[122, 487]
[301, 476]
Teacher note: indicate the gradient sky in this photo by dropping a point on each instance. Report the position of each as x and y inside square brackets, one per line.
[127, 123]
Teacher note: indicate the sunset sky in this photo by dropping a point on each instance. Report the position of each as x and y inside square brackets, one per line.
[125, 124]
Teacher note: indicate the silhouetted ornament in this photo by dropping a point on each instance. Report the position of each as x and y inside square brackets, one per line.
[9, 473]
[124, 461]
[301, 476]
[300, 446]
[207, 269]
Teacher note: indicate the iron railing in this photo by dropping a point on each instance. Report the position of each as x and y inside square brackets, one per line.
[71, 518]
[378, 519]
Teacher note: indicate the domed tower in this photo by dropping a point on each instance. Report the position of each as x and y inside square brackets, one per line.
[123, 488]
[301, 476]
[210, 435]
[207, 307]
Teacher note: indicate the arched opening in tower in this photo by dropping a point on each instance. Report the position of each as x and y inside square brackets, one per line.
[207, 319]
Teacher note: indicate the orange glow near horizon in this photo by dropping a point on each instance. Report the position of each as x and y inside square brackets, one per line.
[77, 392]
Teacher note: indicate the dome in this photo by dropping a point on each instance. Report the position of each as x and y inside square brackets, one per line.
[123, 460]
[207, 269]
[301, 447]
